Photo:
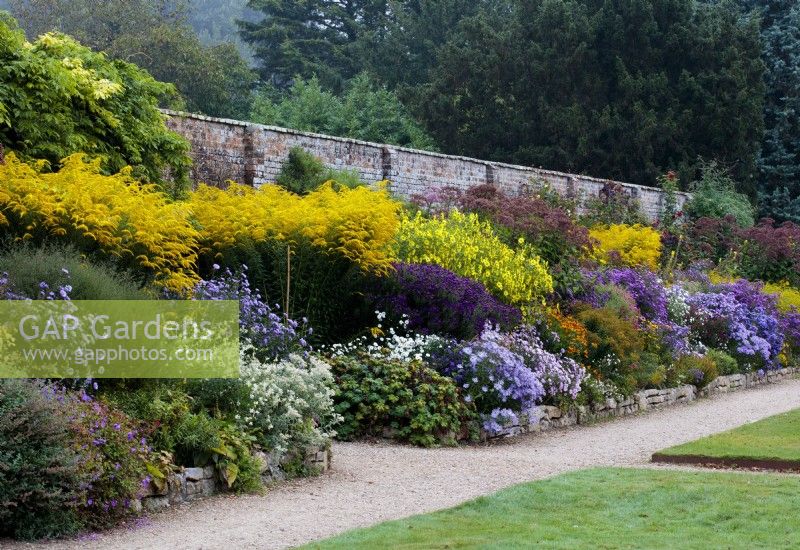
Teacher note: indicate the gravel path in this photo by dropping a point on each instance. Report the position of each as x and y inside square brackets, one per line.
[370, 483]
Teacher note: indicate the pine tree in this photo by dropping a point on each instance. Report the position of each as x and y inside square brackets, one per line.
[329, 39]
[779, 161]
[620, 89]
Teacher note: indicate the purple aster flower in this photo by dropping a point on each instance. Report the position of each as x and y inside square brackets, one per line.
[437, 301]
[274, 335]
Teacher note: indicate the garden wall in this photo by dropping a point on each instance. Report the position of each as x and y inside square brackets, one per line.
[252, 154]
[189, 484]
[545, 418]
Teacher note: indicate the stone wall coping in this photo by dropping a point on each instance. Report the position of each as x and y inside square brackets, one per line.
[352, 141]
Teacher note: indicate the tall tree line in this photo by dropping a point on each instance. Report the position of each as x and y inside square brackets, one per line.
[618, 88]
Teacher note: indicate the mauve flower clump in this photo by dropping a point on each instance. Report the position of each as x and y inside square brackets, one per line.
[740, 318]
[507, 374]
[646, 287]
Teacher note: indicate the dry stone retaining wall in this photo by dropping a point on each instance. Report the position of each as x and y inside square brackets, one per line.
[545, 417]
[252, 154]
[189, 484]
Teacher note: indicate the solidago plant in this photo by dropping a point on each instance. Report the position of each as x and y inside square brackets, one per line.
[469, 247]
[626, 245]
[357, 224]
[139, 224]
[125, 219]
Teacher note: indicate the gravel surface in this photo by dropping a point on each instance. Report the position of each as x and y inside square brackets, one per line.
[370, 483]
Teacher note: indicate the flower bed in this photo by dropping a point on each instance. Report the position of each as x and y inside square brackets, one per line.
[360, 317]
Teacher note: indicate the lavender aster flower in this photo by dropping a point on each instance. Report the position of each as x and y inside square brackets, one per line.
[274, 335]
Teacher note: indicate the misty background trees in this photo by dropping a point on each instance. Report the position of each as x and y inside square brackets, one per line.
[623, 89]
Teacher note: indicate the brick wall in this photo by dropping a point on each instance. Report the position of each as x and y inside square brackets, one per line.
[252, 154]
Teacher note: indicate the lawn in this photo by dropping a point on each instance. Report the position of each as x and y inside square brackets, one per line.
[773, 440]
[608, 508]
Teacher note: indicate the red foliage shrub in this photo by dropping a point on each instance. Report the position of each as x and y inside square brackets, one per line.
[550, 229]
[709, 239]
[772, 253]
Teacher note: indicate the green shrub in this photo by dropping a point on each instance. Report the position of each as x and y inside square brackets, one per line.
[302, 172]
[39, 470]
[345, 178]
[615, 347]
[181, 431]
[649, 372]
[726, 364]
[694, 369]
[595, 391]
[202, 440]
[193, 436]
[218, 442]
[189, 434]
[715, 196]
[326, 288]
[28, 266]
[409, 401]
[220, 396]
[58, 97]
[161, 404]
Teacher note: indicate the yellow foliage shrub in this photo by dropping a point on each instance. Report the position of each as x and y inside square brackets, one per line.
[788, 296]
[122, 217]
[358, 223]
[716, 278]
[626, 245]
[469, 247]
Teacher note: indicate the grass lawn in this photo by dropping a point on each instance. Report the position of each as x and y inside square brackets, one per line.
[776, 438]
[608, 508]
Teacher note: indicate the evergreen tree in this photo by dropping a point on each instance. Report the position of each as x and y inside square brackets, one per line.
[330, 39]
[417, 29]
[779, 162]
[623, 89]
[215, 22]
